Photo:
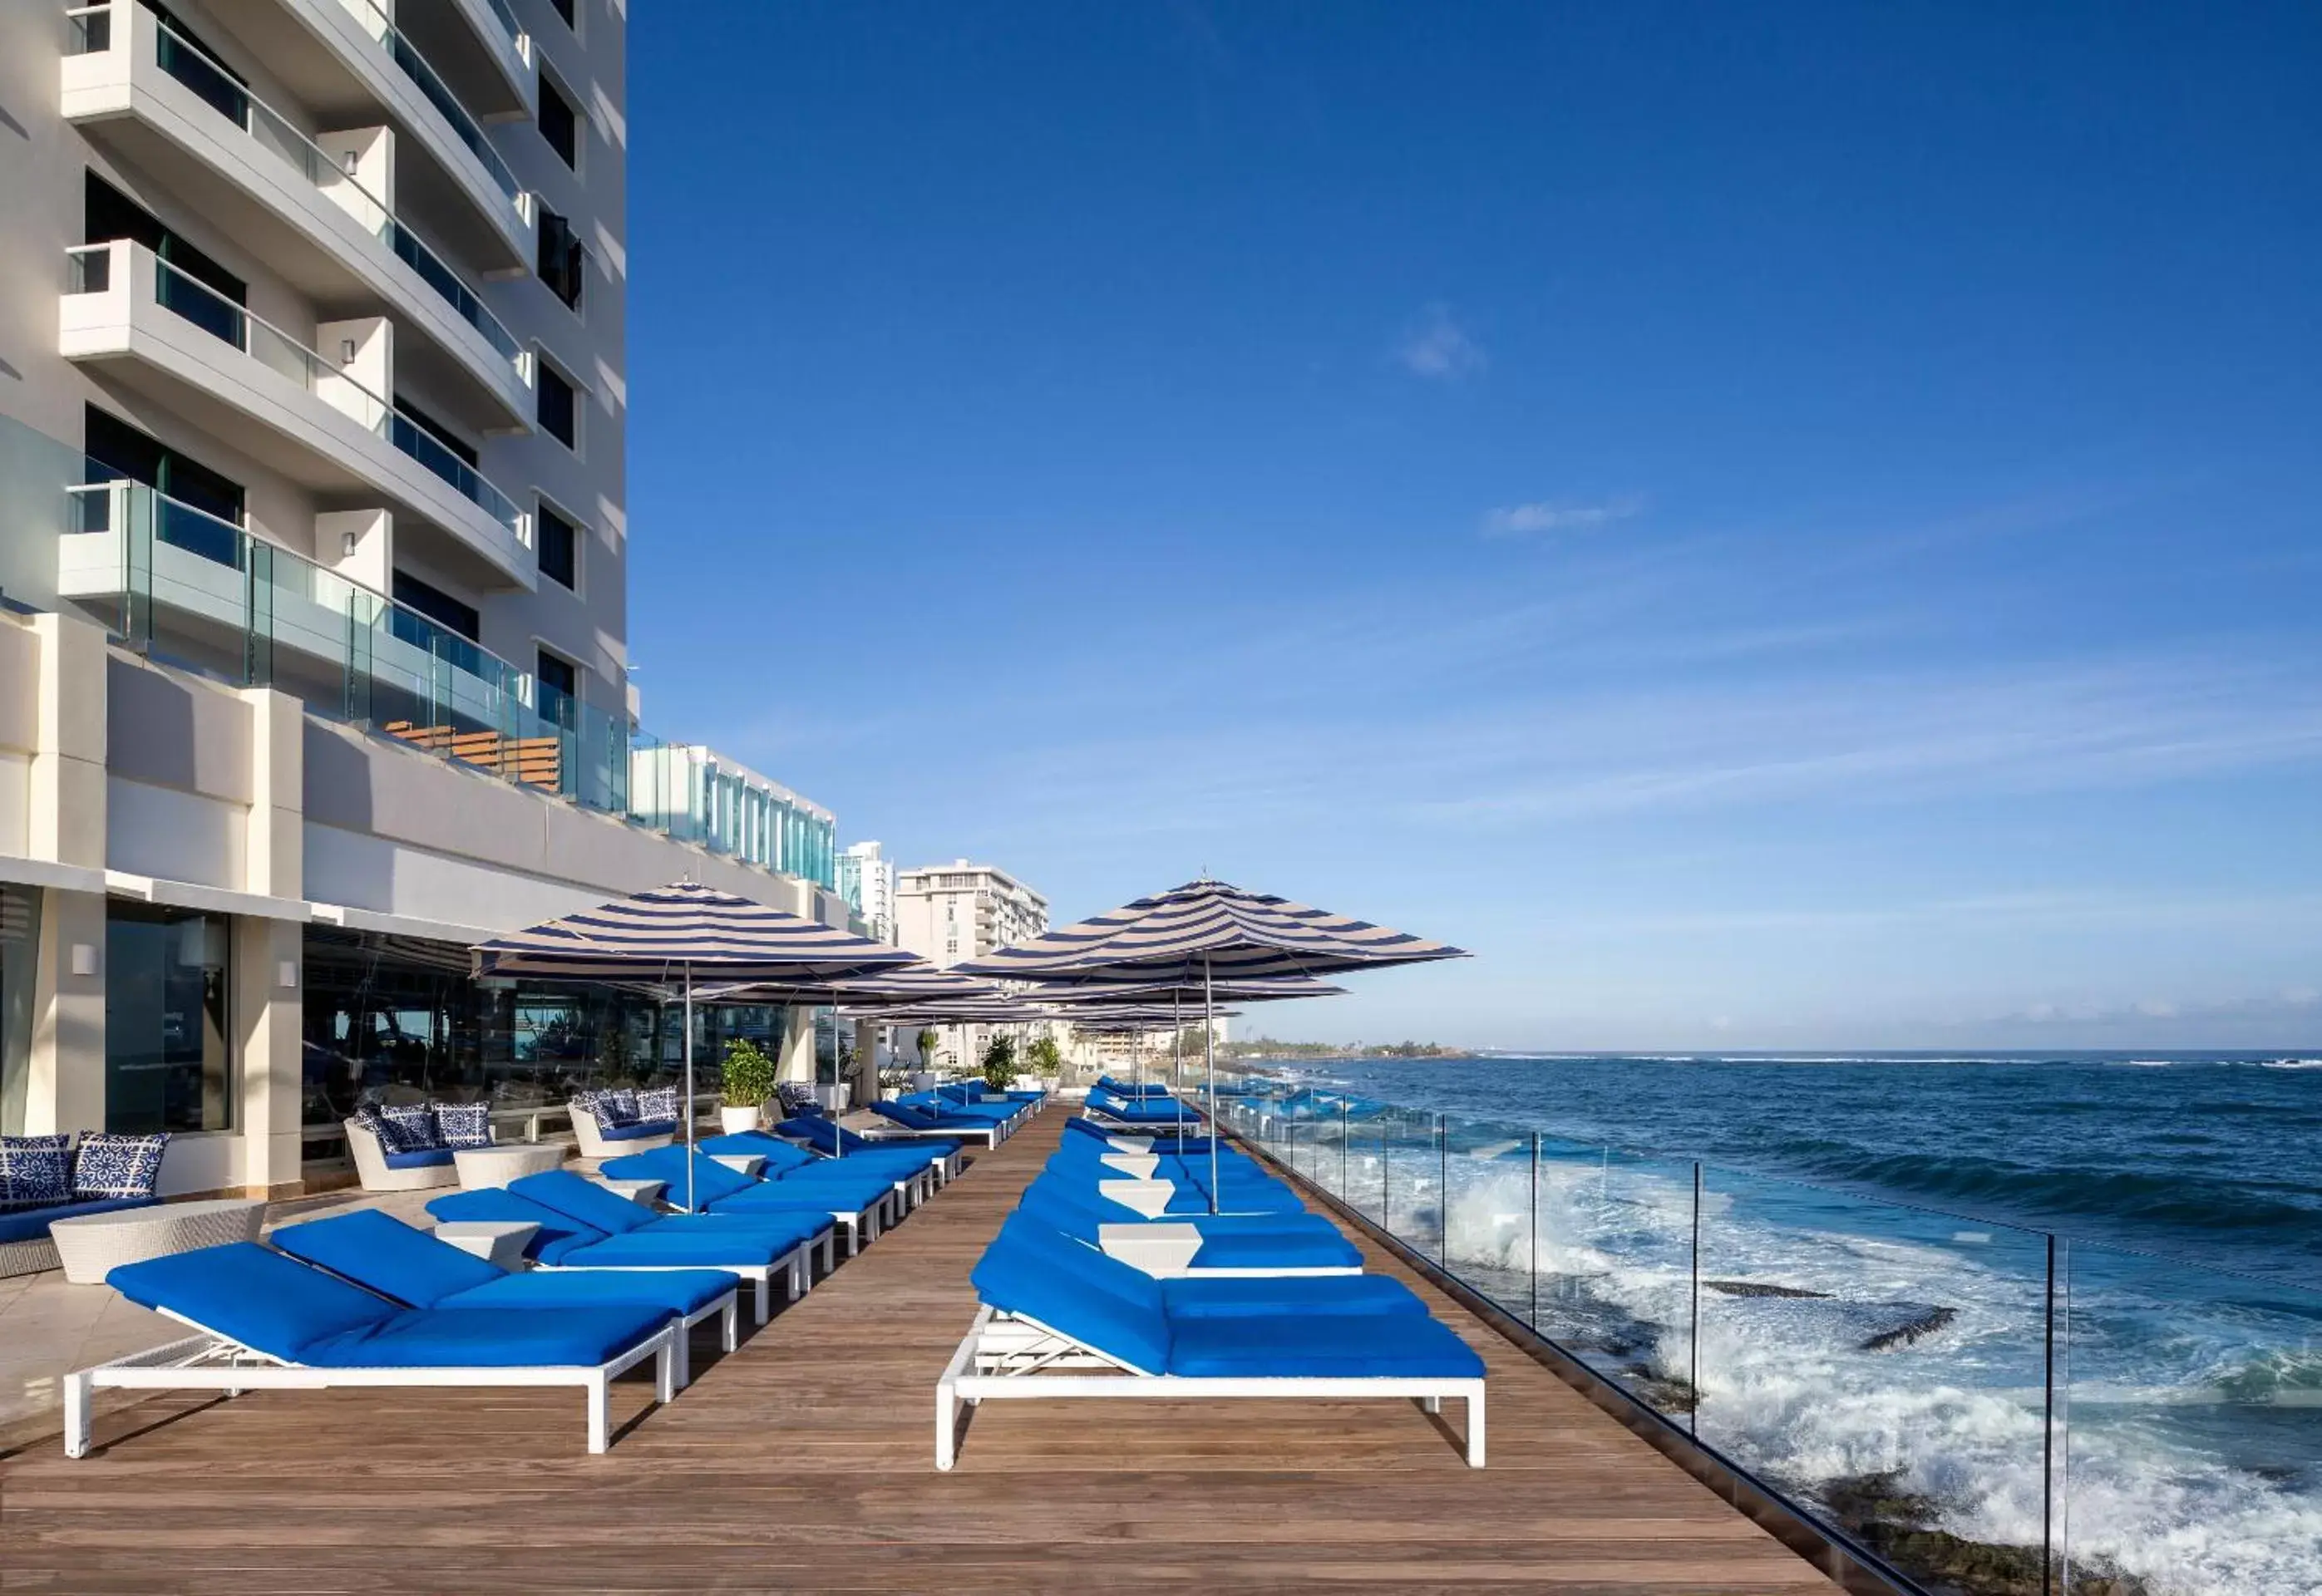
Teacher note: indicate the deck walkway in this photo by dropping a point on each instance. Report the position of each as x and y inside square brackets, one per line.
[803, 1462]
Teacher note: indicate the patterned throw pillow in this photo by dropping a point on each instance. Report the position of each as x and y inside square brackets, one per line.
[35, 1171]
[464, 1125]
[116, 1165]
[659, 1103]
[410, 1128]
[618, 1108]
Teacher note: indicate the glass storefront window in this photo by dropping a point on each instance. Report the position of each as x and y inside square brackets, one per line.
[20, 949]
[397, 1019]
[167, 1057]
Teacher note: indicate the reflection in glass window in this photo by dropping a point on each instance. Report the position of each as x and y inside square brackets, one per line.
[167, 1056]
[20, 948]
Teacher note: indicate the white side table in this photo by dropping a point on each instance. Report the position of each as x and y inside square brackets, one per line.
[643, 1193]
[498, 1242]
[497, 1165]
[89, 1245]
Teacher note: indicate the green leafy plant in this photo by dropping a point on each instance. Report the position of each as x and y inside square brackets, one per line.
[927, 1049]
[1044, 1057]
[749, 1074]
[1000, 1062]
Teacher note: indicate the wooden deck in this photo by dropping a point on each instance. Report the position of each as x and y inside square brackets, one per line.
[804, 1462]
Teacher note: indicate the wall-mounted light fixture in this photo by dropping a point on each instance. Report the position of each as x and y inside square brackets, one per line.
[84, 958]
[285, 974]
[347, 544]
[346, 352]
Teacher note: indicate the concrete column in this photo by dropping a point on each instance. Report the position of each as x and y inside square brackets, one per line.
[796, 1062]
[268, 955]
[65, 823]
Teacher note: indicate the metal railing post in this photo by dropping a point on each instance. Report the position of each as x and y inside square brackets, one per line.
[1443, 1191]
[2048, 1431]
[1535, 1230]
[1693, 1374]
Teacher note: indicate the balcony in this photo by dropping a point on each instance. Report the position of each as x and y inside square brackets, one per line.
[320, 216]
[327, 426]
[347, 62]
[485, 55]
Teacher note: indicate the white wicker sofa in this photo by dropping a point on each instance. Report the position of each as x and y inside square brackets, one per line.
[381, 1170]
[597, 1137]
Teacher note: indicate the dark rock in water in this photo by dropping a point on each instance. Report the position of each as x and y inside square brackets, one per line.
[1898, 1526]
[1663, 1393]
[1750, 1288]
[1910, 1330]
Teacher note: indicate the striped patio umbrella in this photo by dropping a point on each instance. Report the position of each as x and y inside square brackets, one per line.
[679, 934]
[1135, 988]
[1201, 931]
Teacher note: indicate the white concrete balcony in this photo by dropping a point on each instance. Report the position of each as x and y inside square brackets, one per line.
[348, 60]
[317, 209]
[327, 424]
[483, 53]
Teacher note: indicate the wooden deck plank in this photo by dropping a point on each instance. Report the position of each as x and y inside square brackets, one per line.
[803, 1462]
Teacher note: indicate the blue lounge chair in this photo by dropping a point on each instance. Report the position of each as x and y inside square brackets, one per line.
[940, 1153]
[1116, 1339]
[913, 1172]
[1198, 1245]
[264, 1321]
[383, 1254]
[755, 1251]
[1228, 1296]
[920, 1122]
[854, 1202]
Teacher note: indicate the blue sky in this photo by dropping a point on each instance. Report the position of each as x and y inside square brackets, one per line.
[1776, 527]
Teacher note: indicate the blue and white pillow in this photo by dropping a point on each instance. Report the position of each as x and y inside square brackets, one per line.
[116, 1165]
[464, 1125]
[618, 1108]
[586, 1102]
[35, 1171]
[410, 1128]
[659, 1103]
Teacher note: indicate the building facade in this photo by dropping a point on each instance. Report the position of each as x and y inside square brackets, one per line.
[312, 597]
[866, 880]
[948, 914]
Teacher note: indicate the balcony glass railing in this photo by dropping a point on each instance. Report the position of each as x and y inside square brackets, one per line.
[270, 130]
[1991, 1409]
[184, 585]
[275, 350]
[426, 79]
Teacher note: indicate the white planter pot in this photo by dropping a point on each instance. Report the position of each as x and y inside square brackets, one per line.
[737, 1121]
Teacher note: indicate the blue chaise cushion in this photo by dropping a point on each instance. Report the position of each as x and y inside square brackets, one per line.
[584, 1200]
[246, 1293]
[426, 1158]
[711, 1179]
[493, 1337]
[636, 1131]
[387, 1256]
[1321, 1346]
[1021, 1282]
[558, 1235]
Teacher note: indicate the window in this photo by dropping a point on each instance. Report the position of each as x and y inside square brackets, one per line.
[167, 1056]
[560, 123]
[559, 547]
[437, 606]
[20, 952]
[115, 450]
[564, 9]
[437, 430]
[559, 415]
[564, 258]
[198, 289]
[559, 675]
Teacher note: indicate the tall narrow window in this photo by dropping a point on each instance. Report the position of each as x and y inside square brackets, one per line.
[200, 507]
[437, 606]
[564, 10]
[558, 552]
[167, 1056]
[560, 123]
[20, 955]
[564, 258]
[194, 285]
[558, 412]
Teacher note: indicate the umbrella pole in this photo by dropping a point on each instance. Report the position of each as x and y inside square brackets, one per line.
[688, 1086]
[1209, 1071]
[1177, 1060]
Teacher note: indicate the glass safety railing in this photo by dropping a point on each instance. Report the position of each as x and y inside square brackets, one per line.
[423, 76]
[272, 133]
[1989, 1409]
[284, 355]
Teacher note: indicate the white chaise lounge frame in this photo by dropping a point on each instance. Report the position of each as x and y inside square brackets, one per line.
[208, 1361]
[1008, 1357]
[796, 1266]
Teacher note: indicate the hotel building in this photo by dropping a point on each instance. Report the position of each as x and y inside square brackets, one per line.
[948, 914]
[313, 560]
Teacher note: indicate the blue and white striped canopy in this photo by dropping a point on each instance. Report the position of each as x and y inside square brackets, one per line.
[904, 983]
[1130, 986]
[1207, 927]
[685, 929]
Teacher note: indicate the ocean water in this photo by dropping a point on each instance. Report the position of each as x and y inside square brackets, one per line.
[1872, 1234]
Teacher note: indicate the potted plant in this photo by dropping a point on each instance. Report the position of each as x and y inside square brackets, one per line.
[999, 1063]
[749, 1083]
[1046, 1061]
[927, 1045]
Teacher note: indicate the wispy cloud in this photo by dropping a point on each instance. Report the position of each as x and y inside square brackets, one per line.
[1439, 349]
[1544, 517]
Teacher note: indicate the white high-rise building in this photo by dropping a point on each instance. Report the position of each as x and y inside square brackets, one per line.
[866, 880]
[948, 914]
[313, 547]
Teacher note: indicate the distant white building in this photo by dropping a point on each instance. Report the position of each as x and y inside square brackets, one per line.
[948, 914]
[866, 880]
